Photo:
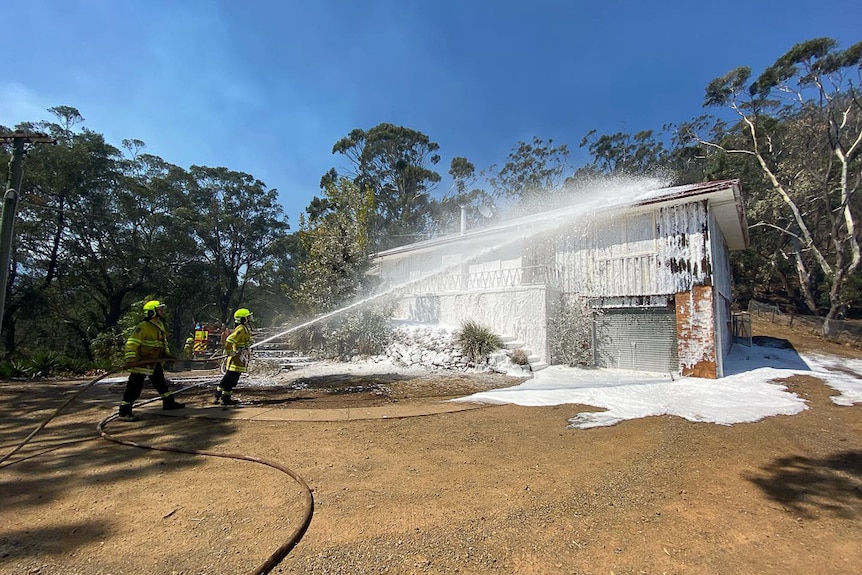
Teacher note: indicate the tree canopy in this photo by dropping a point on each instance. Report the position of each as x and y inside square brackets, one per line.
[394, 163]
[799, 123]
[100, 229]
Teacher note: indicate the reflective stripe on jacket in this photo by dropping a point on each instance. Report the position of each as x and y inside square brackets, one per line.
[149, 340]
[238, 342]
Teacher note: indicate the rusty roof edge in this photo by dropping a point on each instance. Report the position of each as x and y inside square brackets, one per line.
[692, 190]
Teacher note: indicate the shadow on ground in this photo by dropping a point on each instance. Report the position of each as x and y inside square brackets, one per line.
[807, 486]
[69, 454]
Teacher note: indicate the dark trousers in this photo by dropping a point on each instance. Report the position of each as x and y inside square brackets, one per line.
[229, 381]
[136, 384]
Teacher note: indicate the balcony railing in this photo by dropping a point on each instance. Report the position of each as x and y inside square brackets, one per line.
[524, 276]
[636, 274]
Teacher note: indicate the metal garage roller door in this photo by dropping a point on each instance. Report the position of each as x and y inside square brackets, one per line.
[638, 339]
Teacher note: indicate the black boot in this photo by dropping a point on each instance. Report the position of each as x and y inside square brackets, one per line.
[217, 396]
[126, 413]
[228, 400]
[170, 403]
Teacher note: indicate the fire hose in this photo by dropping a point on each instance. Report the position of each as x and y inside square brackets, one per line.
[308, 500]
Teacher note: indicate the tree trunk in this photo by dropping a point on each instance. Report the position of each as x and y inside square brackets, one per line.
[804, 279]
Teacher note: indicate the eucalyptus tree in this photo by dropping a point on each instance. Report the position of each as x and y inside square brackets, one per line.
[462, 197]
[237, 225]
[533, 171]
[122, 240]
[278, 279]
[800, 123]
[625, 154]
[157, 190]
[394, 163]
[65, 281]
[336, 240]
[645, 153]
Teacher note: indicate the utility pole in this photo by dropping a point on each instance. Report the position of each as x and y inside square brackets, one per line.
[10, 201]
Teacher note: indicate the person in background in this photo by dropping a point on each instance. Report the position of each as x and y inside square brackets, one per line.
[145, 349]
[189, 348]
[237, 347]
[188, 352]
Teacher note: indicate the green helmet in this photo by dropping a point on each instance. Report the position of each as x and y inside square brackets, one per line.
[242, 315]
[151, 306]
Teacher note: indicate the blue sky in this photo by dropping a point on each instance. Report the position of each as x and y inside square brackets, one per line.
[267, 87]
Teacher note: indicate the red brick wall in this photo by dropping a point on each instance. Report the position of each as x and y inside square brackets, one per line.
[695, 332]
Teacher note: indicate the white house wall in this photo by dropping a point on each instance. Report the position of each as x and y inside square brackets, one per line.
[519, 313]
[723, 293]
[720, 260]
[650, 253]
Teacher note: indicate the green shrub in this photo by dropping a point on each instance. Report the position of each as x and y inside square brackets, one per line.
[76, 366]
[309, 338]
[44, 364]
[12, 368]
[476, 341]
[366, 332]
[107, 349]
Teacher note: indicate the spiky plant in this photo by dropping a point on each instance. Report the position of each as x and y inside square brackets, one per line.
[476, 341]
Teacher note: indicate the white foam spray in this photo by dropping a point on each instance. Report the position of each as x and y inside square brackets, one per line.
[579, 204]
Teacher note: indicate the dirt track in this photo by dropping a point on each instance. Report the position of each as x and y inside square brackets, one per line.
[495, 490]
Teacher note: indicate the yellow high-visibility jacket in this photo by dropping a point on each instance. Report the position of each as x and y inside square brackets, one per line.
[238, 345]
[149, 340]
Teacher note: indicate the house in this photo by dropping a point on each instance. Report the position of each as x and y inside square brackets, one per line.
[652, 263]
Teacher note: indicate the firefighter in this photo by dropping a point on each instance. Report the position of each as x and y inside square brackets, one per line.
[147, 342]
[237, 348]
[188, 352]
[189, 348]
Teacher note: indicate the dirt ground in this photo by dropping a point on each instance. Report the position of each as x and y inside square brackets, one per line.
[501, 489]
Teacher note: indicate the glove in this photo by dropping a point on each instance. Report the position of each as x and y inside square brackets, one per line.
[129, 364]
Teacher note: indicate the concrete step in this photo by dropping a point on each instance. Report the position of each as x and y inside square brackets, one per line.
[538, 366]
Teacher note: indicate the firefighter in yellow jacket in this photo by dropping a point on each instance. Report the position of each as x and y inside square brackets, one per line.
[148, 342]
[237, 347]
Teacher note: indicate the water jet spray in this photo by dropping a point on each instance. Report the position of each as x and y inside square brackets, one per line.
[614, 193]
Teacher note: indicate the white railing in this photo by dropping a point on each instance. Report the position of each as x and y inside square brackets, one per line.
[524, 276]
